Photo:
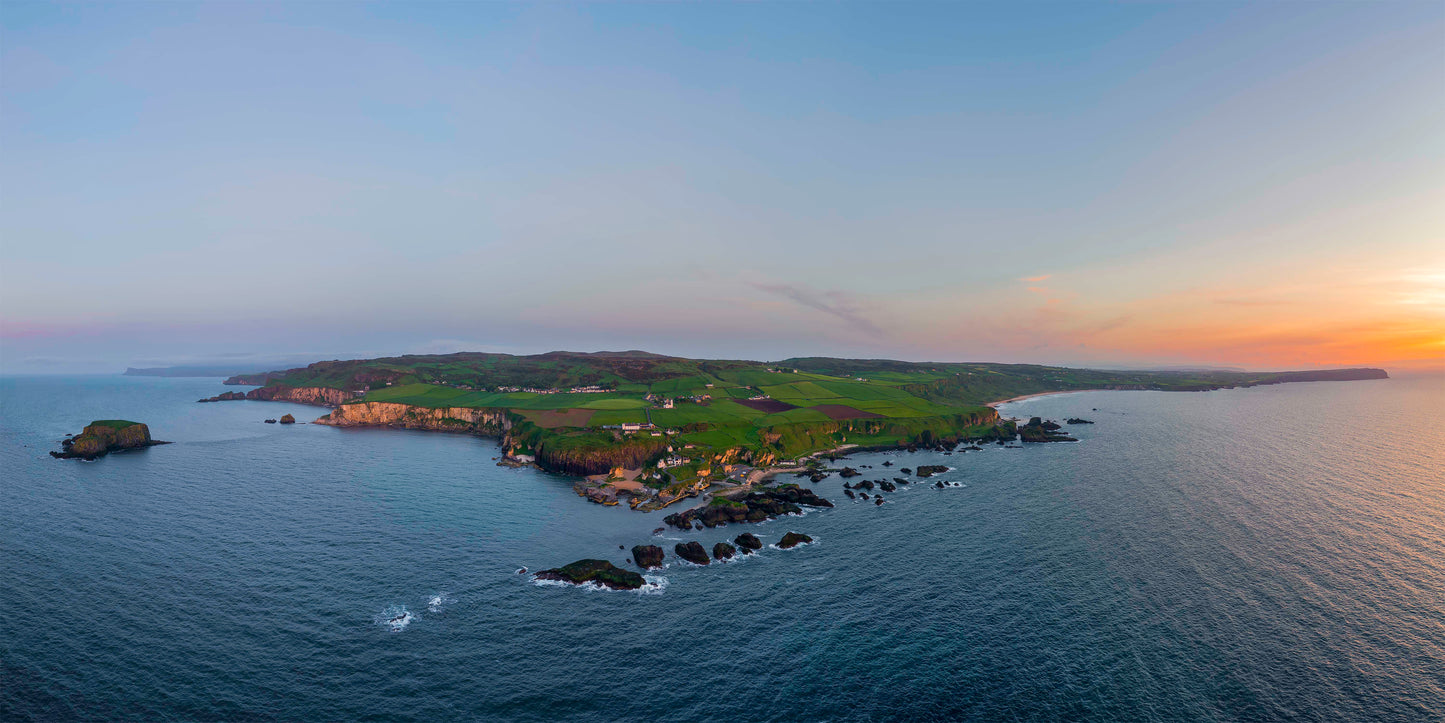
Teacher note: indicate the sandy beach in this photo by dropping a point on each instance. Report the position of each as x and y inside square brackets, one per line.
[1022, 397]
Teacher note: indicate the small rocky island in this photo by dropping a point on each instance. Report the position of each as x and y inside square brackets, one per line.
[1038, 430]
[600, 572]
[104, 436]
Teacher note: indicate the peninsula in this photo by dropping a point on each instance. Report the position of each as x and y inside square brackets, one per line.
[652, 429]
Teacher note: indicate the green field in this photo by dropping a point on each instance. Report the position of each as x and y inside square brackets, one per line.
[916, 401]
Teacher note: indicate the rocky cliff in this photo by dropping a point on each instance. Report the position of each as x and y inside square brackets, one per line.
[405, 416]
[105, 436]
[321, 396]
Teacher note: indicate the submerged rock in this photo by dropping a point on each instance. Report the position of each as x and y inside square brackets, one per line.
[601, 572]
[692, 552]
[849, 472]
[793, 539]
[1076, 420]
[648, 557]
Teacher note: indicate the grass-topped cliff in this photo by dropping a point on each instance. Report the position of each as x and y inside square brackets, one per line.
[581, 412]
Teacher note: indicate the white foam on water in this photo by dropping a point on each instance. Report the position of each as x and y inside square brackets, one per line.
[437, 601]
[396, 617]
[654, 585]
[794, 547]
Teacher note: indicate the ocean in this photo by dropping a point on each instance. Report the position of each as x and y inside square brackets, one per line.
[1275, 553]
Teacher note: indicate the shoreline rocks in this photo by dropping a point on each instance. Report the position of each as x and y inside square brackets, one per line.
[723, 551]
[748, 542]
[763, 504]
[793, 539]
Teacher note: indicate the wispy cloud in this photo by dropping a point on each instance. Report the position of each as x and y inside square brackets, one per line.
[840, 304]
[1036, 279]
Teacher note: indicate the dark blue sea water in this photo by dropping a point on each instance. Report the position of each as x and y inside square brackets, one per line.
[1275, 553]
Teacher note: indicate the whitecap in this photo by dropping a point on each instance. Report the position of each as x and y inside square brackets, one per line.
[437, 601]
[396, 617]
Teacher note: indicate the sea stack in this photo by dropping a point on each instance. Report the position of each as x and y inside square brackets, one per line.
[104, 436]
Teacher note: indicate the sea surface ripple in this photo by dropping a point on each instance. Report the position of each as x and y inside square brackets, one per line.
[1275, 553]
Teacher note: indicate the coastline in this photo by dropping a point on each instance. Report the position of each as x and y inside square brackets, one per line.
[1021, 397]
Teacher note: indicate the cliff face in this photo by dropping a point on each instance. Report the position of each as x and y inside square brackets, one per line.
[321, 396]
[100, 438]
[405, 416]
[628, 454]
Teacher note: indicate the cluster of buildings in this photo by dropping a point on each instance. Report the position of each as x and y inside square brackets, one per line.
[672, 461]
[591, 389]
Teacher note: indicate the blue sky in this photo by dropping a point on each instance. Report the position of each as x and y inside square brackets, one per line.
[1251, 184]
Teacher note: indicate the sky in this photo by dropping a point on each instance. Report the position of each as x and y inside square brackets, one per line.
[1135, 184]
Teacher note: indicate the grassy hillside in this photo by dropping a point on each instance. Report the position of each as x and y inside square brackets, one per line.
[708, 409]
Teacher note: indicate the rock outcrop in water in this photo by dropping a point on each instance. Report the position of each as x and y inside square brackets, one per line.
[692, 552]
[1037, 430]
[104, 436]
[287, 419]
[928, 470]
[647, 557]
[723, 551]
[793, 539]
[748, 542]
[763, 504]
[600, 572]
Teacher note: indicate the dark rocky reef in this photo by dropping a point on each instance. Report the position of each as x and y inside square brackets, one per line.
[104, 436]
[928, 470]
[723, 551]
[601, 572]
[762, 504]
[225, 397]
[793, 539]
[692, 552]
[1037, 430]
[647, 557]
[287, 419]
[1076, 420]
[849, 472]
[748, 542]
